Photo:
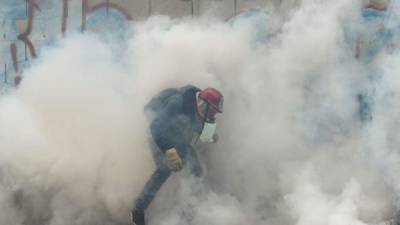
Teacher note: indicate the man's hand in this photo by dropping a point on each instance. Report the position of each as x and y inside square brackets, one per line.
[173, 159]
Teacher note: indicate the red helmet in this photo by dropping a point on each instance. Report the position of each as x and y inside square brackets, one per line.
[213, 97]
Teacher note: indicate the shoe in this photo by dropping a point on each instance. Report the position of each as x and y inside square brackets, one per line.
[137, 217]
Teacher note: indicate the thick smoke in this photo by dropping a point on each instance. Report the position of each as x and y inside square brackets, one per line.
[292, 150]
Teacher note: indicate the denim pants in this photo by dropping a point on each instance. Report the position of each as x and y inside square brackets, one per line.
[162, 172]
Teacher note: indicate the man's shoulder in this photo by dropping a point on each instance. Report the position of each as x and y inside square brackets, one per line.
[177, 93]
[174, 100]
[189, 99]
[189, 88]
[165, 99]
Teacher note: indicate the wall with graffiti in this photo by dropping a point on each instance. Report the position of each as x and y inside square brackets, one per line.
[28, 26]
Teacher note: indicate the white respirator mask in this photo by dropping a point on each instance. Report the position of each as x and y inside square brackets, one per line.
[207, 134]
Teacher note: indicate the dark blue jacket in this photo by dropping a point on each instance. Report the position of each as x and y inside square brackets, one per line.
[174, 122]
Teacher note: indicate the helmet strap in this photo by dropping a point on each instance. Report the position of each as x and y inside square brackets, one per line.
[204, 117]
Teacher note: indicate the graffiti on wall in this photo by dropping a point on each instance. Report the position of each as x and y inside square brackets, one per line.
[29, 25]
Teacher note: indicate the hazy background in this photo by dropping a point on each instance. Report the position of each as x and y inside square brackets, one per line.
[292, 150]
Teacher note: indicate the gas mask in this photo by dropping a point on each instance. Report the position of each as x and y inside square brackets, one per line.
[207, 134]
[207, 113]
[209, 126]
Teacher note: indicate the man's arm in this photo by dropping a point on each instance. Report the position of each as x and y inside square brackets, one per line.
[166, 132]
[163, 128]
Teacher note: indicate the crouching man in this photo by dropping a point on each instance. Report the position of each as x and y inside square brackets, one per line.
[179, 118]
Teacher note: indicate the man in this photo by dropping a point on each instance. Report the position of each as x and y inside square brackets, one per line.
[179, 119]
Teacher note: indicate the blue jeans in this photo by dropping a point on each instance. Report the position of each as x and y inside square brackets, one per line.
[161, 174]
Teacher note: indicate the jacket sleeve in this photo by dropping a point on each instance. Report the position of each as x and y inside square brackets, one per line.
[164, 127]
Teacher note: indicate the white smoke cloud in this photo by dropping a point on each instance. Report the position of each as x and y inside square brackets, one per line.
[70, 138]
[73, 137]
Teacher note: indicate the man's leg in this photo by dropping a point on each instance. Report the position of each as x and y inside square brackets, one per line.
[150, 190]
[195, 172]
[193, 162]
[152, 186]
